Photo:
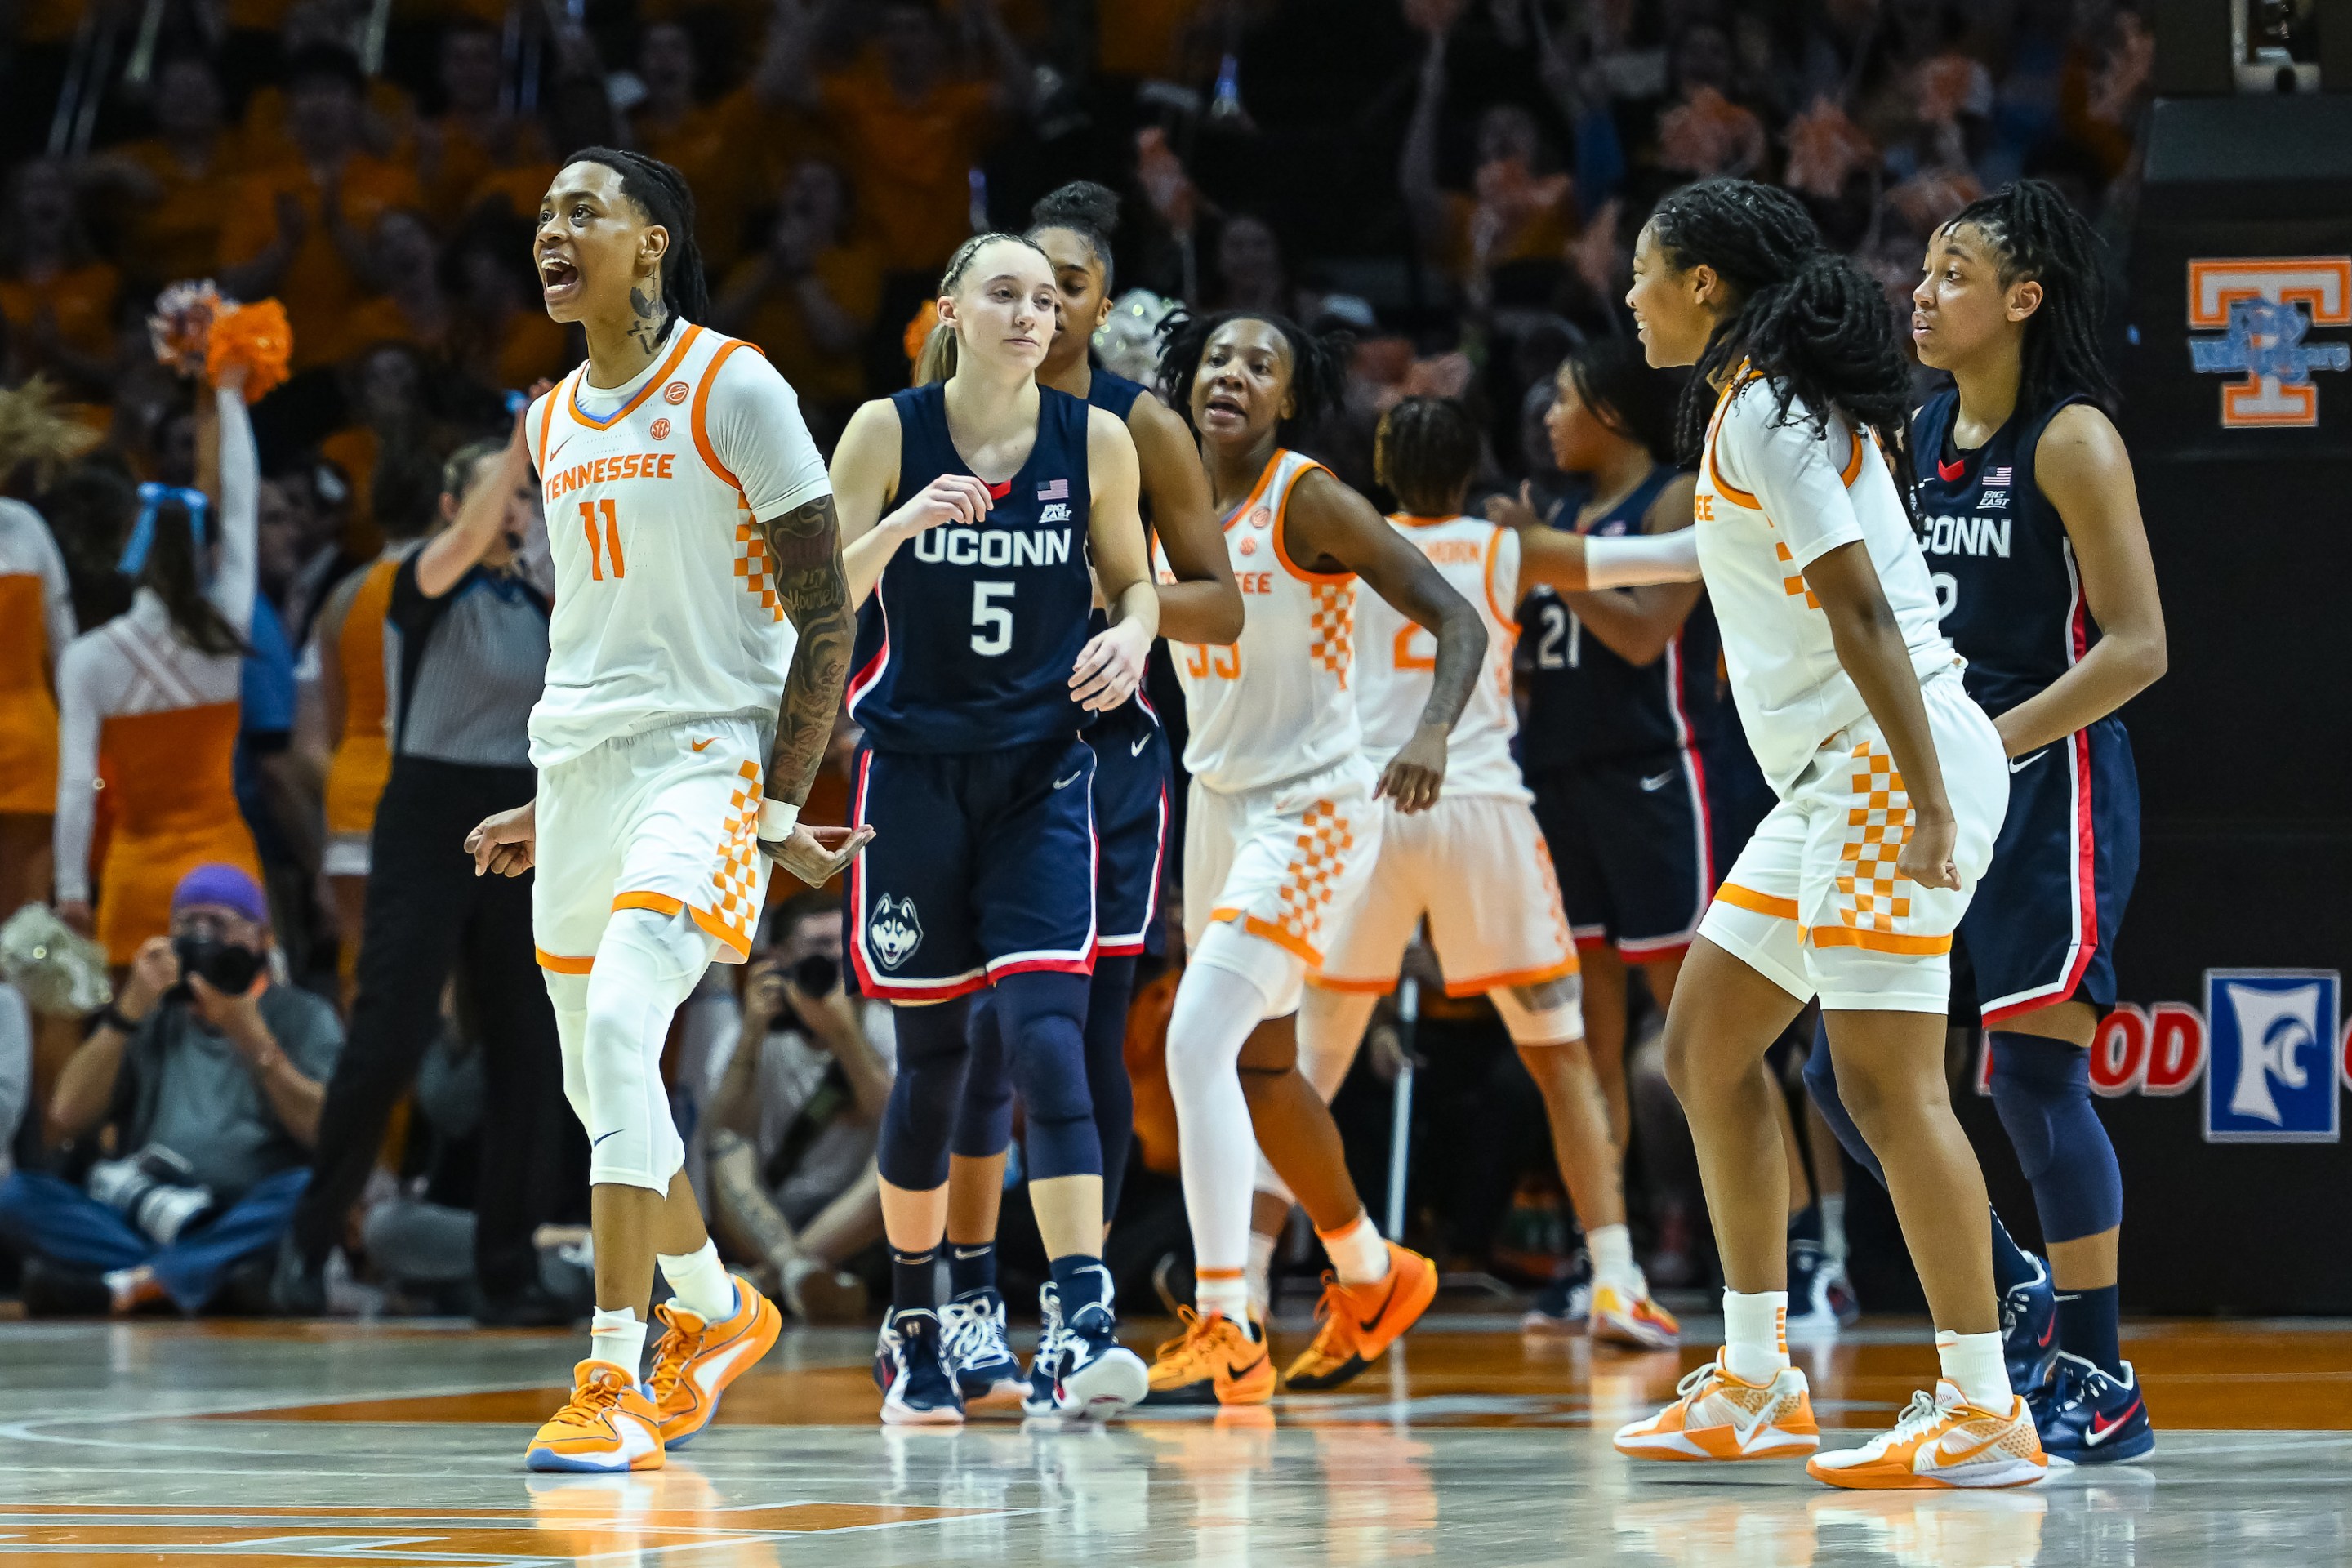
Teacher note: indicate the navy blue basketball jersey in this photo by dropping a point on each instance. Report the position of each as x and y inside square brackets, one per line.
[2006, 584]
[1584, 702]
[968, 638]
[1113, 394]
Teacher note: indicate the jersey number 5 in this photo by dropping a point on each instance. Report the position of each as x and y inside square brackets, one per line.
[611, 543]
[992, 623]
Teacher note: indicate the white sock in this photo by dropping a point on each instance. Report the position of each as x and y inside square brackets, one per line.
[619, 1337]
[701, 1282]
[1359, 1256]
[1261, 1272]
[1974, 1364]
[1215, 1010]
[1612, 1247]
[1832, 1207]
[1755, 1334]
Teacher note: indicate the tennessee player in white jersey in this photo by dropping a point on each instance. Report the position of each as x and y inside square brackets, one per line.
[1892, 787]
[1475, 864]
[697, 649]
[1285, 819]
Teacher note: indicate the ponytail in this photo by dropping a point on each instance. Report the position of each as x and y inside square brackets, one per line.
[937, 361]
[661, 193]
[1807, 319]
[172, 570]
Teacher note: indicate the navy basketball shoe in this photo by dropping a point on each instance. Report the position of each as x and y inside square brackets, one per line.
[2028, 1329]
[2092, 1418]
[971, 1335]
[918, 1386]
[1564, 1306]
[1081, 1371]
[1821, 1301]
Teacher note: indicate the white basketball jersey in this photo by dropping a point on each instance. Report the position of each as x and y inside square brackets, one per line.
[1398, 662]
[1280, 703]
[1753, 544]
[665, 609]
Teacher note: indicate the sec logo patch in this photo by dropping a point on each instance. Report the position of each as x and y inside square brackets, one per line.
[674, 393]
[661, 431]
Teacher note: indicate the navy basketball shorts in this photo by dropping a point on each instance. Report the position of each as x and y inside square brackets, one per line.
[2043, 928]
[1630, 842]
[982, 864]
[1131, 824]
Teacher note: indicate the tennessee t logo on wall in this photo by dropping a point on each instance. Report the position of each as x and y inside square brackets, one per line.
[2271, 1077]
[2262, 304]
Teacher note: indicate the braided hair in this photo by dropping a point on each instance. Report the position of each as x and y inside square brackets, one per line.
[1318, 366]
[1812, 323]
[937, 361]
[1086, 209]
[1426, 451]
[662, 194]
[2038, 234]
[1630, 399]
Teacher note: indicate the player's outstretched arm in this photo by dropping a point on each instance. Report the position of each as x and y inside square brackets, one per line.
[1573, 562]
[1110, 666]
[1637, 624]
[1203, 604]
[1330, 527]
[2081, 467]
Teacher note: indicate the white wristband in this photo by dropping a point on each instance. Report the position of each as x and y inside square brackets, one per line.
[1632, 560]
[777, 818]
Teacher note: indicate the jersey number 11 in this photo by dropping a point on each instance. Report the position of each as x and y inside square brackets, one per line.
[611, 543]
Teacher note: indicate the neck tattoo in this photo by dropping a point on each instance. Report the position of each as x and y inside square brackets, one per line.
[651, 314]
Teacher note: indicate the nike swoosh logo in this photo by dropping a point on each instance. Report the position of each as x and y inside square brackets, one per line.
[1652, 786]
[1137, 749]
[2102, 1430]
[1947, 1454]
[1065, 783]
[616, 1132]
[1374, 1321]
[1238, 1372]
[2047, 1330]
[698, 746]
[2018, 764]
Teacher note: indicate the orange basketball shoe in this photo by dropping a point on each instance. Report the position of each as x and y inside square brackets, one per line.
[1212, 1362]
[1718, 1417]
[695, 1361]
[607, 1425]
[1942, 1440]
[1360, 1320]
[1621, 1318]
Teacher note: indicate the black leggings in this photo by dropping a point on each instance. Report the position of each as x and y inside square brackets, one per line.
[428, 913]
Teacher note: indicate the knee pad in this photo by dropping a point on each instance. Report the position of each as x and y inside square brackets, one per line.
[1043, 1017]
[1820, 1082]
[983, 1127]
[646, 964]
[2042, 1088]
[919, 1121]
[1549, 1014]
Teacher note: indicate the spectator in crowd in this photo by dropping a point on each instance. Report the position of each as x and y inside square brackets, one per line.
[503, 338]
[394, 429]
[411, 307]
[385, 122]
[466, 658]
[210, 1075]
[152, 697]
[1518, 208]
[179, 178]
[717, 147]
[476, 135]
[299, 229]
[794, 1119]
[56, 294]
[808, 298]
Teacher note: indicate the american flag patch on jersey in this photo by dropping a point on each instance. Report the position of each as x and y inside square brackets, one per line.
[1998, 476]
[1056, 489]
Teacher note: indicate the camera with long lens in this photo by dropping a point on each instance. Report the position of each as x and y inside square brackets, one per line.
[226, 967]
[812, 974]
[155, 1190]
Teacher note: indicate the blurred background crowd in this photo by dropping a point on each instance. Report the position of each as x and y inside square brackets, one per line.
[1456, 183]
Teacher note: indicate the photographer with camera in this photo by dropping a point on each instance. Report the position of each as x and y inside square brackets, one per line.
[794, 1121]
[211, 1076]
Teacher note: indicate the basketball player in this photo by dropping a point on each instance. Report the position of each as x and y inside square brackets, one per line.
[697, 654]
[1073, 226]
[1283, 828]
[1475, 864]
[973, 504]
[2027, 512]
[1891, 787]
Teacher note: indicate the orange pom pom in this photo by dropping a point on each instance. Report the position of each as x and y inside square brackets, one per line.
[919, 331]
[257, 337]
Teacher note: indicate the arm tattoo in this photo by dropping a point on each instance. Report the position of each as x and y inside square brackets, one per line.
[652, 315]
[803, 547]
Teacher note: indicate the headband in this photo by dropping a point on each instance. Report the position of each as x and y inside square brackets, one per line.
[152, 496]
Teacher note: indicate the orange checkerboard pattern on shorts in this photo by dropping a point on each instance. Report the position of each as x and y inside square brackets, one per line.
[1555, 904]
[735, 900]
[1334, 624]
[751, 565]
[1325, 837]
[1875, 831]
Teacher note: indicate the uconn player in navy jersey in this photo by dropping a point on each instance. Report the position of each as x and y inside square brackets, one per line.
[975, 504]
[2031, 525]
[1073, 226]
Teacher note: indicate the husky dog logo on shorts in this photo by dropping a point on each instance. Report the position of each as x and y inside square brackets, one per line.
[894, 931]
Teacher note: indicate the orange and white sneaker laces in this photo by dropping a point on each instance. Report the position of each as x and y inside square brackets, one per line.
[608, 1424]
[1942, 1440]
[1717, 1416]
